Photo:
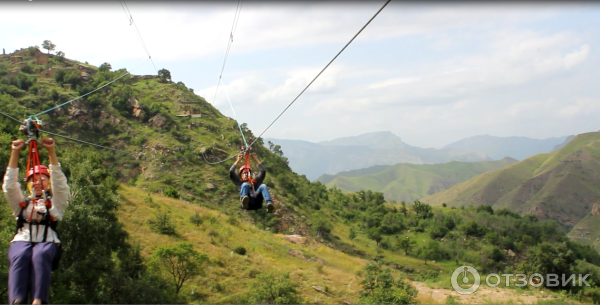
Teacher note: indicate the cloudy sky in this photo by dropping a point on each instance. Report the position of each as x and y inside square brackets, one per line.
[431, 73]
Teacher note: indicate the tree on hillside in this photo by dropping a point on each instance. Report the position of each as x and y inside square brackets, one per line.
[105, 67]
[270, 288]
[165, 75]
[375, 234]
[352, 234]
[403, 208]
[48, 45]
[181, 261]
[321, 225]
[380, 287]
[61, 56]
[406, 244]
[422, 209]
[430, 251]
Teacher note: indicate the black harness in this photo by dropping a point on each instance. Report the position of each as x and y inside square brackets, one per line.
[45, 220]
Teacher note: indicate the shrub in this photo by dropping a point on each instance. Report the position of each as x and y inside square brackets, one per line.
[162, 224]
[438, 232]
[240, 250]
[59, 75]
[27, 69]
[171, 192]
[380, 287]
[270, 288]
[196, 219]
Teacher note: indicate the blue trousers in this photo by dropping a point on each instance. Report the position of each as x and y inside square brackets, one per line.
[30, 267]
[256, 198]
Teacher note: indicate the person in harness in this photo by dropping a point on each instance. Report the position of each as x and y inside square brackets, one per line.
[35, 247]
[251, 196]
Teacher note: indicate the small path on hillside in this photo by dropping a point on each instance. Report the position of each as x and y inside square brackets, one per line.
[483, 295]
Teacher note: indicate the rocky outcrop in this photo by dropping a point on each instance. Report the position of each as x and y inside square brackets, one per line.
[137, 111]
[87, 69]
[159, 121]
[297, 239]
[85, 76]
[538, 212]
[596, 209]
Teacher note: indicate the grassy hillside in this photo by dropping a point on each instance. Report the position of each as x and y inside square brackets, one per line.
[409, 182]
[562, 185]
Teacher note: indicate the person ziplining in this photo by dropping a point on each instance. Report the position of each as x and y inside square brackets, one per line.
[251, 198]
[35, 248]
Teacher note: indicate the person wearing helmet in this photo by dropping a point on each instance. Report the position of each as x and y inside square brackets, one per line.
[252, 191]
[35, 247]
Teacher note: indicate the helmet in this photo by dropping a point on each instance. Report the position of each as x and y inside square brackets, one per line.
[245, 167]
[39, 169]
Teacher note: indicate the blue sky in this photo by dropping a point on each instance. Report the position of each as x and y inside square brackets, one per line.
[431, 73]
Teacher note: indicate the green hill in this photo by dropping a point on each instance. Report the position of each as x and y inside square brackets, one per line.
[409, 182]
[587, 231]
[562, 185]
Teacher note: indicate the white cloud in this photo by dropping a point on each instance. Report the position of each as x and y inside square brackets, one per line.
[579, 106]
[395, 81]
[577, 57]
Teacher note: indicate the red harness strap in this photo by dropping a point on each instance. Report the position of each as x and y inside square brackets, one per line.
[33, 163]
[249, 170]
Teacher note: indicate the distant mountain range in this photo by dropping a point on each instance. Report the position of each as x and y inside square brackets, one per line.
[409, 182]
[385, 148]
[378, 148]
[563, 185]
[515, 147]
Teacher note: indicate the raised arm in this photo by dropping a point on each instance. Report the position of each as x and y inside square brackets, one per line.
[11, 186]
[16, 148]
[48, 143]
[235, 178]
[61, 191]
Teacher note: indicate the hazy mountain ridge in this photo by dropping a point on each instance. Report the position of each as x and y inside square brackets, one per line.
[515, 147]
[385, 148]
[349, 153]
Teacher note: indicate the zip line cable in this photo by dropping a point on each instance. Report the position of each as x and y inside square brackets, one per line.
[235, 117]
[218, 161]
[58, 135]
[137, 31]
[338, 54]
[286, 108]
[84, 142]
[236, 17]
[10, 117]
[114, 80]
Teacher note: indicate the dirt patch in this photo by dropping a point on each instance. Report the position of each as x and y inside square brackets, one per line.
[483, 295]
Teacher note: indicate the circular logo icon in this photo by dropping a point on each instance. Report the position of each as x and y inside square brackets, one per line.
[464, 270]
